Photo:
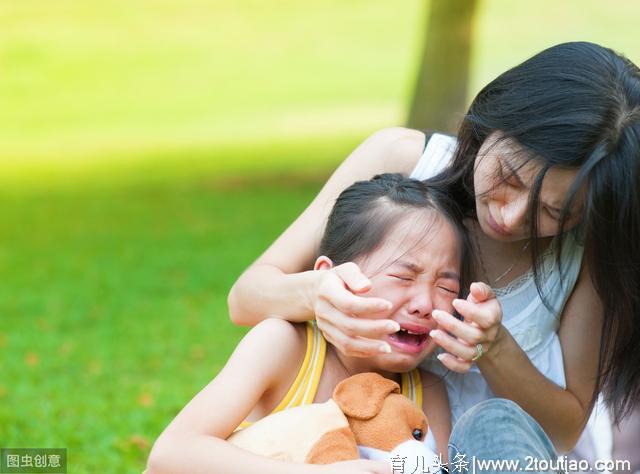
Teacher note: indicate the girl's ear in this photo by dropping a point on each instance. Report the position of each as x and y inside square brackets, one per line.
[323, 263]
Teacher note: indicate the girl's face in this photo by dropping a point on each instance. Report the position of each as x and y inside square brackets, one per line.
[416, 268]
[503, 181]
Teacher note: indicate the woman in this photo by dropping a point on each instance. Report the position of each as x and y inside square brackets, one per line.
[546, 168]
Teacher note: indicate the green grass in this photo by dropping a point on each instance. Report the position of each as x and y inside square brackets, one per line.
[149, 150]
[113, 307]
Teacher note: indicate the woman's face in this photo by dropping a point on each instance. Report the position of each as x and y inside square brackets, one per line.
[503, 180]
[417, 269]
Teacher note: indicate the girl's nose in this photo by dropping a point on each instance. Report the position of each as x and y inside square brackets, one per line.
[421, 305]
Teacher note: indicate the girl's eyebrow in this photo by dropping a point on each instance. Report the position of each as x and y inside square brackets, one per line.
[450, 275]
[410, 266]
[418, 269]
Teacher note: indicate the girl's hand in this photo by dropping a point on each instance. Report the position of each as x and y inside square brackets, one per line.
[361, 466]
[482, 324]
[341, 314]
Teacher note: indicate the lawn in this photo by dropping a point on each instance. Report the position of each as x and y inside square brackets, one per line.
[113, 307]
[150, 150]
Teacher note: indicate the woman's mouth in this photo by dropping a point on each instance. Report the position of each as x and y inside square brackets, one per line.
[411, 340]
[495, 226]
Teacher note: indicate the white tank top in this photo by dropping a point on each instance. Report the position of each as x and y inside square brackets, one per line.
[532, 325]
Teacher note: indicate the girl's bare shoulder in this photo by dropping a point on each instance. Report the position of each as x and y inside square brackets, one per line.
[277, 336]
[278, 348]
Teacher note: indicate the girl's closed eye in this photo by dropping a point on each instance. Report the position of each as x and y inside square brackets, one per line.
[402, 277]
[449, 290]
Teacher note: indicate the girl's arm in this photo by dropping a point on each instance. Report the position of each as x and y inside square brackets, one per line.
[276, 285]
[435, 404]
[195, 441]
[562, 413]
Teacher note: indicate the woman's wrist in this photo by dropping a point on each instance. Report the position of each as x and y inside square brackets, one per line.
[499, 346]
[310, 291]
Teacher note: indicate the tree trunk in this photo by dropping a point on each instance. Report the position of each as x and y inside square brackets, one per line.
[439, 99]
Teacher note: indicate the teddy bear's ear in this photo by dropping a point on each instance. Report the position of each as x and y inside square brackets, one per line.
[361, 396]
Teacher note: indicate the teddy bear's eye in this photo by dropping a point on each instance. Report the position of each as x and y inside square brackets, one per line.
[417, 434]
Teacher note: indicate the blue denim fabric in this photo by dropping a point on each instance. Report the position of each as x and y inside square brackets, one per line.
[498, 429]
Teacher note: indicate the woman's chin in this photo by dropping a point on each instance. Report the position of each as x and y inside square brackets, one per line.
[494, 234]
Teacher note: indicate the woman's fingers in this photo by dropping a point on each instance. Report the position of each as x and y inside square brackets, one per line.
[480, 291]
[453, 346]
[352, 346]
[482, 315]
[352, 277]
[344, 317]
[486, 314]
[353, 326]
[333, 290]
[454, 363]
[465, 331]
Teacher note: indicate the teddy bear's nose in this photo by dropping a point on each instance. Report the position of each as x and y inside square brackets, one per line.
[417, 434]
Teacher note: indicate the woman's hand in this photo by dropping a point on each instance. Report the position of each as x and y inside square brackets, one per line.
[482, 324]
[341, 313]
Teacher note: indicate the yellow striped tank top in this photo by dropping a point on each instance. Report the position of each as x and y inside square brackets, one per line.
[304, 388]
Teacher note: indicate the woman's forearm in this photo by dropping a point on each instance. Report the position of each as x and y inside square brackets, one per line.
[272, 287]
[266, 291]
[200, 453]
[511, 375]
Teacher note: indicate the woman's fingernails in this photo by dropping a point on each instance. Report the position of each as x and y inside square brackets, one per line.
[436, 313]
[434, 333]
[456, 303]
[393, 327]
[440, 357]
[385, 349]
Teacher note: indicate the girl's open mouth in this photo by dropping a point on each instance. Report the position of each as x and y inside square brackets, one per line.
[409, 340]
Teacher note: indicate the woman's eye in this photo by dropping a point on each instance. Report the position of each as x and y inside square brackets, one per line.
[512, 181]
[554, 216]
[508, 177]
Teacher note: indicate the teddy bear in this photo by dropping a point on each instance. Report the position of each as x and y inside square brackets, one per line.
[367, 417]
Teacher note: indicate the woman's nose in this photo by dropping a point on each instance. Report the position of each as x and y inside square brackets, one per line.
[514, 213]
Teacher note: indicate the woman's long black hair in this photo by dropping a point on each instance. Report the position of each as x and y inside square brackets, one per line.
[577, 105]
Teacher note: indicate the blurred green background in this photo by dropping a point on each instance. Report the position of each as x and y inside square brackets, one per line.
[150, 150]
